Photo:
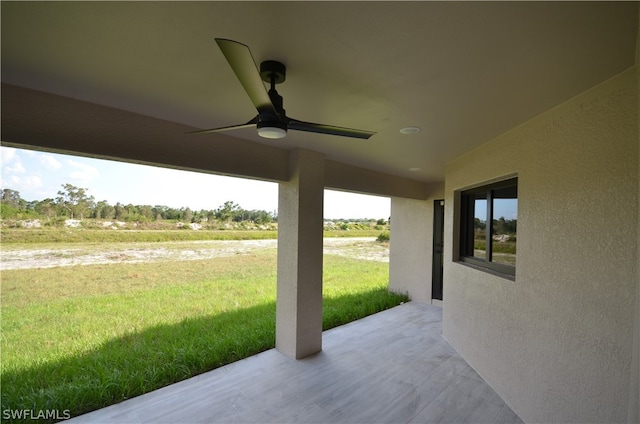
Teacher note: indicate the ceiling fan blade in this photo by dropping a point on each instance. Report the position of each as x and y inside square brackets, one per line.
[249, 124]
[241, 61]
[328, 129]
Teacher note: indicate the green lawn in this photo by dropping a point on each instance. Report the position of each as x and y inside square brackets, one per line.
[12, 236]
[80, 338]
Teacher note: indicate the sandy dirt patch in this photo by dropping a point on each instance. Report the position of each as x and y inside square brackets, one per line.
[358, 247]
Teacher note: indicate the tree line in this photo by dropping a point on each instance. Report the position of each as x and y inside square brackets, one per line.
[500, 225]
[76, 203]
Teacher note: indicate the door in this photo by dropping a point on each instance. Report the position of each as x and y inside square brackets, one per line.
[438, 249]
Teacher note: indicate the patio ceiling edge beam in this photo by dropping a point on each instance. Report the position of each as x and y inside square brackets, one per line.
[42, 121]
[340, 176]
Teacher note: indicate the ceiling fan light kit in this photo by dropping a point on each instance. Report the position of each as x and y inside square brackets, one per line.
[271, 121]
[271, 130]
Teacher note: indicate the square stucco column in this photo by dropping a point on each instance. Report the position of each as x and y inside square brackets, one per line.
[300, 215]
[411, 247]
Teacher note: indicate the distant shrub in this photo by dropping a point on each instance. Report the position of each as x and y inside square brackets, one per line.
[384, 236]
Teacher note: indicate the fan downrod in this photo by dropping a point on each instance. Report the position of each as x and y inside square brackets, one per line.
[272, 71]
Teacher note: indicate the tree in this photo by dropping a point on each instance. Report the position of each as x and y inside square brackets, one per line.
[146, 212]
[46, 207]
[505, 226]
[227, 211]
[159, 212]
[12, 205]
[104, 210]
[11, 197]
[120, 212]
[260, 216]
[187, 215]
[75, 200]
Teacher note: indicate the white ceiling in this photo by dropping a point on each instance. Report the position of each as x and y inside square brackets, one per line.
[462, 72]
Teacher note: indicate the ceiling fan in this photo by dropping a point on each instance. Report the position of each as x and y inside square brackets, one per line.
[271, 121]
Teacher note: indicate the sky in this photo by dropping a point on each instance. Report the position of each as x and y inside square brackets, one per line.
[40, 175]
[506, 208]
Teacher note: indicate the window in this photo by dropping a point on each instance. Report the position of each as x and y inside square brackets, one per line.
[488, 226]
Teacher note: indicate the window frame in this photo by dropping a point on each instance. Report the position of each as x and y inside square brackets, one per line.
[467, 220]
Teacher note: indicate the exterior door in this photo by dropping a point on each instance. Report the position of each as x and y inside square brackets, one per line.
[438, 249]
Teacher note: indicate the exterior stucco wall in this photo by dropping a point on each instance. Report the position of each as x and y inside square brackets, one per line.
[556, 343]
[411, 245]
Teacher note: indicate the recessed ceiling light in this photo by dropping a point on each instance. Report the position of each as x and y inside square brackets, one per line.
[410, 130]
[414, 169]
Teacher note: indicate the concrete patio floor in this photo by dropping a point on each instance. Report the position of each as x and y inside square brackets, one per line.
[391, 367]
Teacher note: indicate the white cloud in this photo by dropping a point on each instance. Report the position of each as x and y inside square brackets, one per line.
[11, 163]
[16, 167]
[50, 162]
[12, 169]
[7, 155]
[22, 183]
[15, 175]
[84, 173]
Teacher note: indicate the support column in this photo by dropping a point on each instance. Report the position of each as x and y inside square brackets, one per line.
[300, 221]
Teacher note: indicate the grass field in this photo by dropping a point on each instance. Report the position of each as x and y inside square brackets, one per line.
[83, 337]
[10, 236]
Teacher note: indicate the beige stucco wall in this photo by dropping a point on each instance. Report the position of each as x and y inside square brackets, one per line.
[411, 245]
[556, 343]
